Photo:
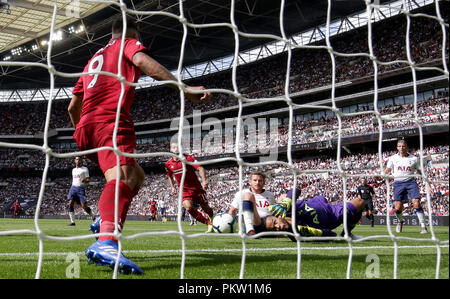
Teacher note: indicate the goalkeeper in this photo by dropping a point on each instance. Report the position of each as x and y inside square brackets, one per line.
[315, 216]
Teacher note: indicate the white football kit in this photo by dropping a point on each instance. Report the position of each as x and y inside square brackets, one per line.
[403, 166]
[263, 200]
[78, 174]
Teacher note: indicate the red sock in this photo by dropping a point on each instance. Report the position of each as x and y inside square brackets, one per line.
[199, 215]
[208, 211]
[106, 207]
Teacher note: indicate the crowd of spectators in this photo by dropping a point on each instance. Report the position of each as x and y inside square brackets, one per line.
[317, 176]
[430, 111]
[310, 68]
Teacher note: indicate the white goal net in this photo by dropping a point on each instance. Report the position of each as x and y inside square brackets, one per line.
[320, 40]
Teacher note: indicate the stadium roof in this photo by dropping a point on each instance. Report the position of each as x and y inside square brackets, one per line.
[81, 30]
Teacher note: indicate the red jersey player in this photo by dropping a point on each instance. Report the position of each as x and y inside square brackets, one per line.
[193, 190]
[17, 208]
[152, 204]
[92, 111]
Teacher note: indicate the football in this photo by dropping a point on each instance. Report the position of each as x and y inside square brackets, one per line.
[223, 223]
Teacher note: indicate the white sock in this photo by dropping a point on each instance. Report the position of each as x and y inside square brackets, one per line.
[72, 216]
[248, 220]
[421, 217]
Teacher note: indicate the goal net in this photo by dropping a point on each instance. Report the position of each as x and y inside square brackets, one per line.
[339, 59]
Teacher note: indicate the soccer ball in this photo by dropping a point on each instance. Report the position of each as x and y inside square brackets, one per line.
[223, 223]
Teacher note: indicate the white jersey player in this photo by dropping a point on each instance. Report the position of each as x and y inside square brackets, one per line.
[255, 201]
[77, 192]
[262, 200]
[402, 165]
[80, 175]
[162, 209]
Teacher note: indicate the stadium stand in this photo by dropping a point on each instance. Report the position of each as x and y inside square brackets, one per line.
[310, 70]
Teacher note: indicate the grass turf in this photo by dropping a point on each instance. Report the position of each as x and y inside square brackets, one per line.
[216, 257]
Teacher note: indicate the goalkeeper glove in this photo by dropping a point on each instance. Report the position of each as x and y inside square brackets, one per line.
[281, 208]
[306, 231]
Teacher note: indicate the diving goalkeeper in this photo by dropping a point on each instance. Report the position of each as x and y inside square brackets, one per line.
[315, 216]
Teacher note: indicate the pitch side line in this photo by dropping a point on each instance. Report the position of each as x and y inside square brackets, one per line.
[229, 250]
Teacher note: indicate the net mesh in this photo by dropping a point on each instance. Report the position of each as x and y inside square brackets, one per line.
[372, 8]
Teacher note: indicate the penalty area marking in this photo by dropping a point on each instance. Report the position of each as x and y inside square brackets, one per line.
[229, 250]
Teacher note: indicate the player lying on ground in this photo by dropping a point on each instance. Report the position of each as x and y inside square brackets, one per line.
[315, 216]
[261, 198]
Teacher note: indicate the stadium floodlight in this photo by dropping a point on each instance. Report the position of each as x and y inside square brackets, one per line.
[79, 29]
[17, 51]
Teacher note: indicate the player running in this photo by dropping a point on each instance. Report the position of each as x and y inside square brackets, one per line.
[193, 191]
[93, 110]
[77, 192]
[402, 165]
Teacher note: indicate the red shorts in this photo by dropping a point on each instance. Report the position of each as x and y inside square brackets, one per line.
[196, 197]
[97, 135]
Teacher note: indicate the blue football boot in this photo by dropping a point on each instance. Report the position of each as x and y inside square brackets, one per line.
[104, 253]
[95, 226]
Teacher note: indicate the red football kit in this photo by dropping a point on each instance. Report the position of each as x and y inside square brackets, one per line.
[192, 188]
[101, 95]
[152, 206]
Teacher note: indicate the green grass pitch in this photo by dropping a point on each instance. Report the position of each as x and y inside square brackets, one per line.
[218, 257]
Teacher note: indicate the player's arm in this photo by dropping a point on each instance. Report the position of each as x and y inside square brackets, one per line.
[202, 172]
[86, 179]
[171, 184]
[388, 168]
[75, 109]
[232, 211]
[418, 167]
[158, 72]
